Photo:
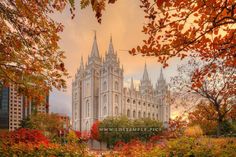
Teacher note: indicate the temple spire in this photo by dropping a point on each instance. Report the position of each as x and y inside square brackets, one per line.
[95, 52]
[111, 49]
[145, 73]
[81, 63]
[161, 75]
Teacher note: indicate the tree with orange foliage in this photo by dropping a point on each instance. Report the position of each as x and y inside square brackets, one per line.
[30, 55]
[205, 116]
[189, 27]
[217, 89]
[203, 29]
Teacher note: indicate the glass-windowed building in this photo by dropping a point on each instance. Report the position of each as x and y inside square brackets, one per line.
[4, 107]
[15, 107]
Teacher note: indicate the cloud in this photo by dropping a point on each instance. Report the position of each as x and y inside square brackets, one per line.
[60, 102]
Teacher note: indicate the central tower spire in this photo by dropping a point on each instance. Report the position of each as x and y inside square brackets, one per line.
[95, 52]
[145, 73]
[111, 49]
[146, 87]
[161, 75]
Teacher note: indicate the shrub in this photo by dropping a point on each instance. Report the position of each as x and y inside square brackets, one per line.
[32, 143]
[193, 131]
[121, 129]
[181, 147]
[51, 150]
[72, 137]
[23, 136]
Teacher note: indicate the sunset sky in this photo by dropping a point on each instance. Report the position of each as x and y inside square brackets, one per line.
[123, 21]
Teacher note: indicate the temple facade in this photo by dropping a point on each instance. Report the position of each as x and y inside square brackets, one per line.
[98, 92]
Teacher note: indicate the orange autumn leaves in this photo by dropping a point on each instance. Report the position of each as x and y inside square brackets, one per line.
[98, 6]
[30, 55]
[182, 28]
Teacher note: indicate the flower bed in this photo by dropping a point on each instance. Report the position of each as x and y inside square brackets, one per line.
[32, 143]
[185, 146]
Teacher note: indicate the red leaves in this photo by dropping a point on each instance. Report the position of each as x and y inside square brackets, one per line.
[159, 3]
[95, 131]
[24, 136]
[78, 134]
[155, 138]
[85, 136]
[181, 26]
[133, 52]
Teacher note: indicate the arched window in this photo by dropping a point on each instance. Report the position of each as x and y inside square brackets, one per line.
[149, 115]
[153, 116]
[116, 85]
[116, 110]
[128, 113]
[116, 98]
[87, 108]
[104, 110]
[134, 114]
[144, 115]
[133, 101]
[128, 100]
[157, 116]
[104, 99]
[104, 85]
[139, 114]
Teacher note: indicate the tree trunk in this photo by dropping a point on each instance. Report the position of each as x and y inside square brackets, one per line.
[219, 126]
